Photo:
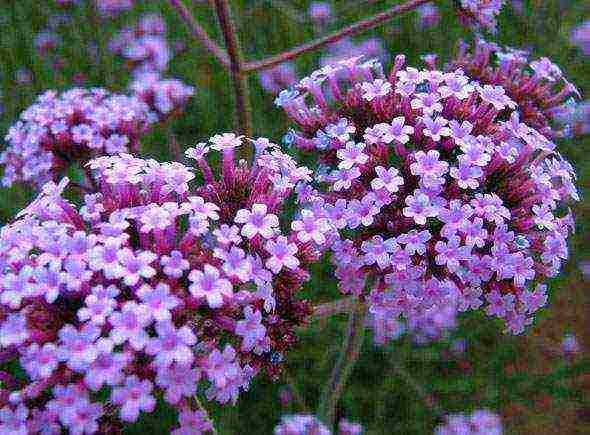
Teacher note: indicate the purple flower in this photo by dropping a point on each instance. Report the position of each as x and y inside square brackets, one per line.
[251, 330]
[77, 347]
[133, 397]
[387, 179]
[172, 345]
[14, 421]
[129, 325]
[158, 300]
[415, 241]
[108, 366]
[451, 253]
[428, 164]
[208, 284]
[257, 222]
[175, 264]
[179, 380]
[192, 422]
[351, 155]
[419, 207]
[377, 251]
[282, 255]
[310, 227]
[40, 361]
[376, 89]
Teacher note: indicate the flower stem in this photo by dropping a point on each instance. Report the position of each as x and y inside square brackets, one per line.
[238, 73]
[353, 29]
[348, 356]
[199, 33]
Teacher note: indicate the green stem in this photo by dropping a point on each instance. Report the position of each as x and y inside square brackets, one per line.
[348, 356]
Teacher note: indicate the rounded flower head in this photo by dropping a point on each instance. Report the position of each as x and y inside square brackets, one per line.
[144, 45]
[165, 97]
[301, 424]
[480, 422]
[539, 88]
[148, 289]
[76, 125]
[437, 214]
[480, 14]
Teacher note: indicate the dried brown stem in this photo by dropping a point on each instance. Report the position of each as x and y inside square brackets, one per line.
[353, 29]
[200, 34]
[237, 67]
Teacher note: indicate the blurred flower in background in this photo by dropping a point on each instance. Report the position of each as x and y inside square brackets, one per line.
[581, 37]
[480, 422]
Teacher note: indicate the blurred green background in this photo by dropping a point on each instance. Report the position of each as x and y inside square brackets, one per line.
[524, 378]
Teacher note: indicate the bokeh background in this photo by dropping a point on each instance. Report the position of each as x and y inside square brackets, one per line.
[400, 388]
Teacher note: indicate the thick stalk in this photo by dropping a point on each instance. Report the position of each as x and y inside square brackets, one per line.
[351, 30]
[199, 33]
[237, 67]
[348, 356]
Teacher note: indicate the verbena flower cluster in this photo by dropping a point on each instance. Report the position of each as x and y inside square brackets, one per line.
[307, 424]
[479, 14]
[154, 287]
[581, 37]
[538, 87]
[438, 190]
[480, 422]
[113, 7]
[275, 79]
[144, 46]
[164, 96]
[62, 128]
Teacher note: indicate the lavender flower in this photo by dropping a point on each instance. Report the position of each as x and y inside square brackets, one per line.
[134, 290]
[480, 14]
[60, 129]
[454, 218]
[539, 87]
[480, 422]
[581, 37]
[165, 97]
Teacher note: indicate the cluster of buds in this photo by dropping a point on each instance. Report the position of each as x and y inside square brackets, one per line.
[165, 97]
[538, 87]
[154, 287]
[436, 189]
[306, 424]
[479, 14]
[60, 129]
[480, 422]
[275, 79]
[581, 37]
[144, 46]
[111, 8]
